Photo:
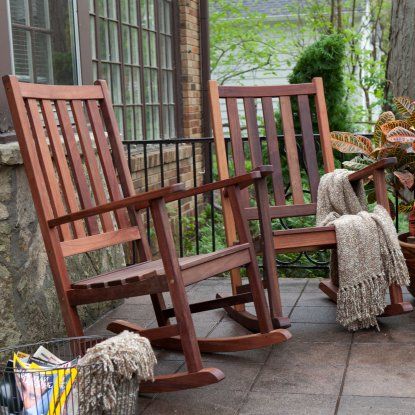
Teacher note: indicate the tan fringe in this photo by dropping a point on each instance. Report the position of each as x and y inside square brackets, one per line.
[359, 304]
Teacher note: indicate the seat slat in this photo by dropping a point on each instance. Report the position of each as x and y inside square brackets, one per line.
[106, 161]
[195, 268]
[291, 150]
[273, 150]
[61, 164]
[47, 166]
[91, 162]
[76, 164]
[309, 145]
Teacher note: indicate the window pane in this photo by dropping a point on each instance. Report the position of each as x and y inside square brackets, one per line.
[149, 123]
[112, 9]
[103, 40]
[133, 12]
[144, 13]
[115, 53]
[167, 16]
[116, 84]
[156, 123]
[151, 15]
[126, 43]
[153, 50]
[22, 57]
[134, 46]
[166, 127]
[162, 25]
[138, 124]
[137, 85]
[40, 13]
[19, 13]
[129, 124]
[154, 86]
[91, 6]
[102, 8]
[41, 58]
[124, 11]
[128, 85]
[146, 51]
[163, 52]
[147, 86]
[172, 122]
[118, 115]
[93, 43]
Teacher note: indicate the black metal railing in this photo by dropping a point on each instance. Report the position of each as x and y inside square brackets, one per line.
[160, 163]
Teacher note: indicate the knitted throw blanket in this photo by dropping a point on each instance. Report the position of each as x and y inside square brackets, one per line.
[110, 372]
[368, 257]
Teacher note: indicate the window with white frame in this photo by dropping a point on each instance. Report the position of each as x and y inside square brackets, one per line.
[43, 41]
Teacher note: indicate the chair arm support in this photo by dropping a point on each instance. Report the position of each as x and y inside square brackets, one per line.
[140, 201]
[369, 170]
[242, 181]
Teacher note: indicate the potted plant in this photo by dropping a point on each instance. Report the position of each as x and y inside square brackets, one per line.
[393, 136]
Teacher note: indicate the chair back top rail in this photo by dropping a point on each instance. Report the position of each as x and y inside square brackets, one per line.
[256, 111]
[74, 159]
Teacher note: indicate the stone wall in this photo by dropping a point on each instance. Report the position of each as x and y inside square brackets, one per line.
[29, 309]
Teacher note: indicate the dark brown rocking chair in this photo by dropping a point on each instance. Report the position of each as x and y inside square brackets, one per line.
[289, 200]
[80, 211]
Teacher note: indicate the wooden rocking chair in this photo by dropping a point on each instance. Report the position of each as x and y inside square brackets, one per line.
[268, 150]
[63, 163]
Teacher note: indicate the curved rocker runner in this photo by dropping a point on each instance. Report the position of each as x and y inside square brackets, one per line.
[82, 210]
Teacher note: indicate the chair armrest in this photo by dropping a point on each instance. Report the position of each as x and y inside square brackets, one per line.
[369, 170]
[242, 181]
[140, 201]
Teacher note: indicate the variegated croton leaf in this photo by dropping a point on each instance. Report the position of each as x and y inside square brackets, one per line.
[405, 207]
[405, 106]
[378, 136]
[358, 162]
[389, 126]
[401, 135]
[406, 178]
[351, 143]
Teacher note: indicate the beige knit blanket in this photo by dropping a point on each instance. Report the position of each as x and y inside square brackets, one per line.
[368, 258]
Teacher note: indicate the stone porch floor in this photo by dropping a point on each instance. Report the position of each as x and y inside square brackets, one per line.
[322, 370]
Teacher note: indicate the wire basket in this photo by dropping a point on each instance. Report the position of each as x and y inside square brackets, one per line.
[71, 395]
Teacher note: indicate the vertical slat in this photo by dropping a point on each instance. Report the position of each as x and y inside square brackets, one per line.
[291, 150]
[61, 164]
[309, 145]
[223, 170]
[237, 143]
[106, 160]
[74, 157]
[47, 166]
[323, 125]
[273, 150]
[122, 165]
[91, 162]
[253, 132]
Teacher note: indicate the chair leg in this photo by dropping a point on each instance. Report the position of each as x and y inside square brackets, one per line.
[159, 305]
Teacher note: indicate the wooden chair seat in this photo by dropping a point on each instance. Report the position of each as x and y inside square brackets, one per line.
[304, 239]
[207, 265]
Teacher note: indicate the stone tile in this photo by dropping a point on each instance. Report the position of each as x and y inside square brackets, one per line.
[204, 401]
[312, 285]
[352, 405]
[314, 332]
[325, 380]
[313, 299]
[292, 285]
[288, 404]
[289, 299]
[397, 334]
[138, 312]
[308, 354]
[380, 381]
[383, 355]
[313, 315]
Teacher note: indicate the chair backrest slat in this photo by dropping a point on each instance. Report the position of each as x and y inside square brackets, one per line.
[309, 145]
[286, 109]
[46, 163]
[291, 150]
[61, 164]
[273, 150]
[106, 160]
[75, 161]
[91, 162]
[236, 142]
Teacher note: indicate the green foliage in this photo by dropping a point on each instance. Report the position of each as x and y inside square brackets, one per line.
[238, 45]
[325, 58]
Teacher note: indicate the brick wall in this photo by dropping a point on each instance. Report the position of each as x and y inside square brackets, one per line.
[191, 67]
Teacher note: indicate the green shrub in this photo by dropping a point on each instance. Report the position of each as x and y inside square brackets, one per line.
[325, 58]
